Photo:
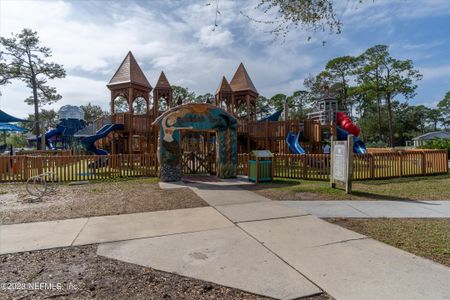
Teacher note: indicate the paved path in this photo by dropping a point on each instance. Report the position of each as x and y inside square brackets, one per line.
[374, 209]
[246, 241]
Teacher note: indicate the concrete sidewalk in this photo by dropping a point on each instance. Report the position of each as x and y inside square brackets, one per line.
[82, 231]
[374, 209]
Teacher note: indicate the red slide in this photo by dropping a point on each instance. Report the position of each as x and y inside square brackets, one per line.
[345, 123]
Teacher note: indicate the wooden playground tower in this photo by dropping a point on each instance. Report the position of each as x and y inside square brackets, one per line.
[239, 97]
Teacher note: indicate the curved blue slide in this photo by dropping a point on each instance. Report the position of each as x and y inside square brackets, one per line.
[59, 130]
[294, 146]
[358, 146]
[89, 141]
[273, 117]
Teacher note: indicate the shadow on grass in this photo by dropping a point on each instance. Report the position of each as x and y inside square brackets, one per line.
[373, 196]
[404, 179]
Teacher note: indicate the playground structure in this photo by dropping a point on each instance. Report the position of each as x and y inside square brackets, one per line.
[134, 133]
[154, 135]
[71, 120]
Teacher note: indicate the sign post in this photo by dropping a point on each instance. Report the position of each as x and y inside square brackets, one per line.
[342, 163]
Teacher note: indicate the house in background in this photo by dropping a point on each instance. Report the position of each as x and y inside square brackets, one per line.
[421, 139]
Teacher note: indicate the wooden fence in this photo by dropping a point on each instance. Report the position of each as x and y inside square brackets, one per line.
[378, 165]
[78, 167]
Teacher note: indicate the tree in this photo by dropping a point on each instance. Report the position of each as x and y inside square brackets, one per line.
[338, 72]
[299, 104]
[262, 107]
[205, 98]
[369, 78]
[444, 107]
[314, 16]
[387, 77]
[121, 105]
[48, 119]
[18, 140]
[91, 112]
[399, 79]
[434, 116]
[277, 101]
[25, 59]
[179, 92]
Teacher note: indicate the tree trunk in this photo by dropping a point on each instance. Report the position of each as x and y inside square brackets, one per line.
[380, 129]
[391, 129]
[36, 115]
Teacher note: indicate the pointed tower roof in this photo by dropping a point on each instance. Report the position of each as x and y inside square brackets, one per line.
[163, 82]
[224, 86]
[129, 72]
[241, 81]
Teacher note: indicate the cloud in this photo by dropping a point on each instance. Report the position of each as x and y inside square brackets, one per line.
[90, 38]
[210, 36]
[435, 72]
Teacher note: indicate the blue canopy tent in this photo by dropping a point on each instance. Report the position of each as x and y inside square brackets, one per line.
[6, 127]
[6, 118]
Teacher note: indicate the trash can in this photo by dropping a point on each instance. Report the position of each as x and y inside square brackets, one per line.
[260, 166]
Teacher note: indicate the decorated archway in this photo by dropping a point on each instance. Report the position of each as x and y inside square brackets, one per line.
[196, 117]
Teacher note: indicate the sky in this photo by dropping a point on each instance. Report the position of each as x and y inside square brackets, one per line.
[91, 38]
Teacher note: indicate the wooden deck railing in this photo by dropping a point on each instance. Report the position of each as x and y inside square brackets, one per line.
[78, 167]
[379, 165]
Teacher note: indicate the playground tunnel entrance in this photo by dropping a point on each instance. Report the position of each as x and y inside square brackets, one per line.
[198, 150]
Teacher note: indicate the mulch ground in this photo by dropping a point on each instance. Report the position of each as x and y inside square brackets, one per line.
[82, 274]
[429, 238]
[94, 199]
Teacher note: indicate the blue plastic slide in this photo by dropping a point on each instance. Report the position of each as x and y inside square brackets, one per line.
[273, 117]
[294, 146]
[358, 146]
[89, 141]
[54, 132]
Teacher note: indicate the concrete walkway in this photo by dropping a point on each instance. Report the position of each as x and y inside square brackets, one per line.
[245, 241]
[64, 233]
[374, 209]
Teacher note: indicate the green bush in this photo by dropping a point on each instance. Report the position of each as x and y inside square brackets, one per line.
[227, 171]
[437, 144]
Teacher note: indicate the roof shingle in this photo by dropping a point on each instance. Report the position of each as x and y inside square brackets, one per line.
[163, 82]
[129, 72]
[241, 81]
[224, 86]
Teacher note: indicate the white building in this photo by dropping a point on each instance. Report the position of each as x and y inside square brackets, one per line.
[420, 140]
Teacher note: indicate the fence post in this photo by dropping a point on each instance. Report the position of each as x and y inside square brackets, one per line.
[400, 155]
[424, 163]
[25, 167]
[371, 165]
[305, 166]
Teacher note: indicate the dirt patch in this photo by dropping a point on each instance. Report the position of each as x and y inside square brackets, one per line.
[82, 274]
[276, 192]
[429, 238]
[95, 199]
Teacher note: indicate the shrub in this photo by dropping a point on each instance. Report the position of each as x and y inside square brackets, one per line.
[437, 144]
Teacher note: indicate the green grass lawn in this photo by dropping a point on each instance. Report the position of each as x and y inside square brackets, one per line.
[406, 188]
[429, 238]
